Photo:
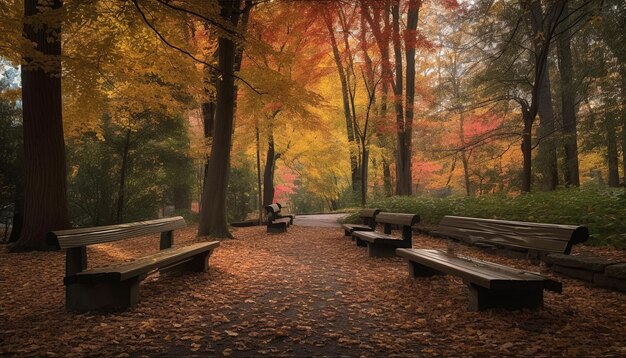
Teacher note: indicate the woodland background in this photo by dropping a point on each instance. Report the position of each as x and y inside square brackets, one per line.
[457, 105]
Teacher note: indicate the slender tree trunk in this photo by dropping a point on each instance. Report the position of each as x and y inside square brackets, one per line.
[45, 201]
[258, 172]
[527, 150]
[213, 211]
[402, 158]
[346, 102]
[121, 191]
[268, 173]
[623, 120]
[568, 102]
[364, 168]
[611, 147]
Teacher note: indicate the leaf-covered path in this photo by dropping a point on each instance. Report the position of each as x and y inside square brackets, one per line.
[307, 292]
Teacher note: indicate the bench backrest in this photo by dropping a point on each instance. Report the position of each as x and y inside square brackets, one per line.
[369, 216]
[515, 234]
[79, 237]
[406, 221]
[272, 208]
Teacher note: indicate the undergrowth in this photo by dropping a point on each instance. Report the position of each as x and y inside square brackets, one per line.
[601, 209]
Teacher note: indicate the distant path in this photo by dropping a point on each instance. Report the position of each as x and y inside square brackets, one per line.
[319, 220]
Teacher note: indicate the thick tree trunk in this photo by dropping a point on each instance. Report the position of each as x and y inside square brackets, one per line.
[45, 201]
[568, 102]
[213, 211]
[268, 172]
[546, 156]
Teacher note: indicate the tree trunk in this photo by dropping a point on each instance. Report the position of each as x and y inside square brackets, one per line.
[45, 201]
[213, 211]
[122, 183]
[346, 102]
[364, 167]
[568, 102]
[402, 158]
[546, 155]
[611, 147]
[268, 173]
[258, 173]
[527, 149]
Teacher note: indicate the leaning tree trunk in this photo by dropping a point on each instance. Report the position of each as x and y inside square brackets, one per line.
[568, 102]
[213, 210]
[45, 201]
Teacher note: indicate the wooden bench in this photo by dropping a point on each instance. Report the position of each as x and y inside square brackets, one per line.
[490, 285]
[534, 239]
[280, 216]
[368, 217]
[276, 223]
[116, 287]
[383, 244]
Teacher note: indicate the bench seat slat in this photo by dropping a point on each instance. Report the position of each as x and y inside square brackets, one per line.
[482, 273]
[63, 239]
[356, 227]
[143, 265]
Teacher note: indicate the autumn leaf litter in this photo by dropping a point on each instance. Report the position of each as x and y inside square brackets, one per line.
[308, 292]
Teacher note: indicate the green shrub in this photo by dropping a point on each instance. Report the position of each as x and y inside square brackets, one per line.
[601, 209]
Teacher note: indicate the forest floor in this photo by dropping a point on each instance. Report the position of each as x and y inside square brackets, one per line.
[308, 292]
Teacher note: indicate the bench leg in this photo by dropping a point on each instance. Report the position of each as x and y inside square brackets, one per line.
[359, 242]
[347, 233]
[419, 270]
[199, 263]
[103, 296]
[481, 298]
[375, 250]
[280, 227]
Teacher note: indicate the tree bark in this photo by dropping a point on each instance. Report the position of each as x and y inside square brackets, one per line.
[268, 172]
[611, 151]
[346, 102]
[528, 118]
[213, 220]
[45, 201]
[568, 102]
[258, 172]
[546, 155]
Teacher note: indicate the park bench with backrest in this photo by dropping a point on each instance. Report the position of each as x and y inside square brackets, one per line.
[384, 244]
[490, 285]
[115, 287]
[276, 223]
[534, 239]
[281, 215]
[368, 217]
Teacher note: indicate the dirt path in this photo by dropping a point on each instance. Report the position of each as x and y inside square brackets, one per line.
[309, 292]
[319, 220]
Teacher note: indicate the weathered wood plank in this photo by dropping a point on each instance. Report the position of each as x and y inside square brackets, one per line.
[141, 266]
[515, 234]
[63, 239]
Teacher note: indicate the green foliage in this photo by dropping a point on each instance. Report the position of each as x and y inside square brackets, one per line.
[599, 208]
[158, 166]
[10, 145]
[242, 192]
